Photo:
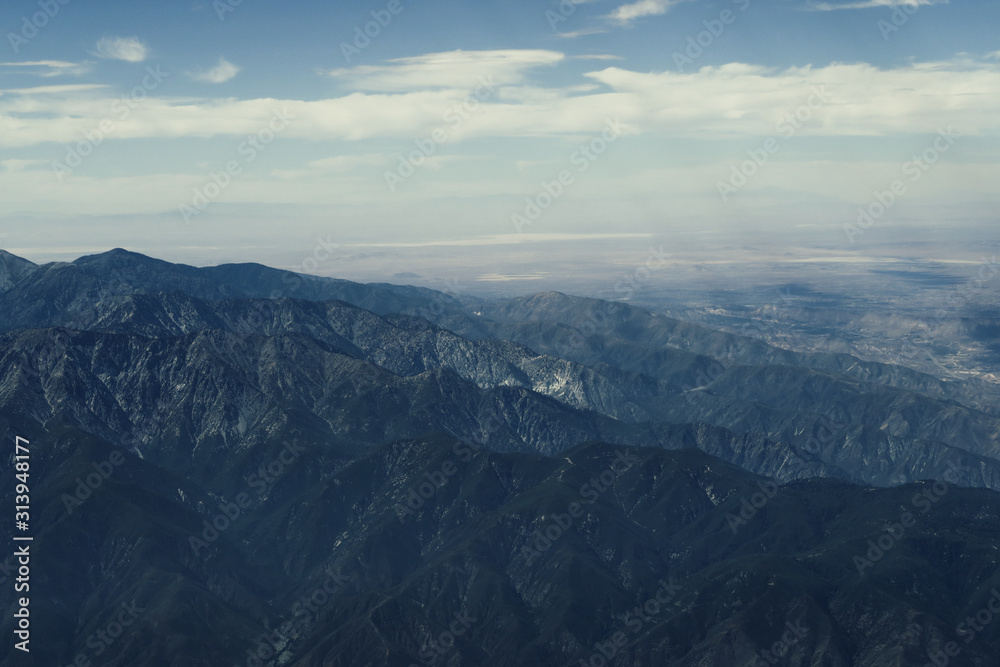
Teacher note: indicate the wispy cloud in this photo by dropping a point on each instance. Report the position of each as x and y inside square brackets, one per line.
[49, 68]
[581, 33]
[872, 4]
[221, 73]
[451, 69]
[627, 13]
[56, 91]
[129, 49]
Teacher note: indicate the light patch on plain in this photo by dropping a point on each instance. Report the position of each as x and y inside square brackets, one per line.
[848, 259]
[505, 277]
[503, 239]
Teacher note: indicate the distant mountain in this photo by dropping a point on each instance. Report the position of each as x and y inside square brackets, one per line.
[55, 293]
[792, 415]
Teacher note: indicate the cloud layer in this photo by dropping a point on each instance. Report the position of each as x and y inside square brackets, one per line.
[410, 97]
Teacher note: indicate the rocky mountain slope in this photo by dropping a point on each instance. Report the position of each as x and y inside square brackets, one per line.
[637, 554]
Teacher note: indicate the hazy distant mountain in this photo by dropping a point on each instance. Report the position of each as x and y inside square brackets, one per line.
[794, 415]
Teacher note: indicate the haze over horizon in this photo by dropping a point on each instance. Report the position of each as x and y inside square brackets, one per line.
[449, 136]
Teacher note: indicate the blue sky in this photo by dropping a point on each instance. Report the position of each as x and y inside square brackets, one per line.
[208, 131]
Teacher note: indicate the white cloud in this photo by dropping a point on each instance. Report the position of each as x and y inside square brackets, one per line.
[129, 49]
[48, 68]
[627, 13]
[871, 4]
[221, 73]
[451, 69]
[740, 99]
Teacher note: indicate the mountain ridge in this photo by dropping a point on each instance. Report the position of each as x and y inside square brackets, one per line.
[214, 460]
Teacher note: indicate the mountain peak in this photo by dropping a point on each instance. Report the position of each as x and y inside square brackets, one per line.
[13, 269]
[11, 257]
[117, 254]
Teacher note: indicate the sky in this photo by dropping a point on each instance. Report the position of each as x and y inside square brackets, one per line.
[243, 130]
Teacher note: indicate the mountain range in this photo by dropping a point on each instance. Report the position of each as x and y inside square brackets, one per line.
[471, 481]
